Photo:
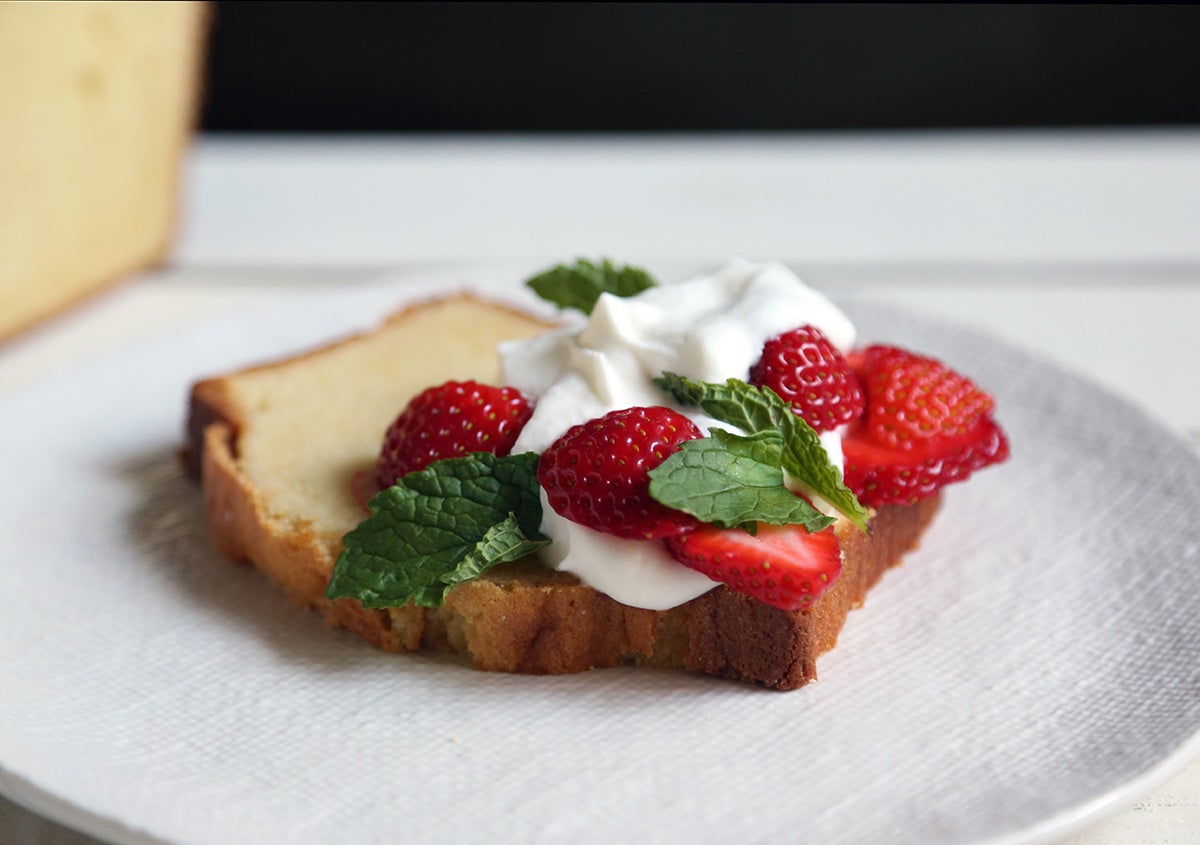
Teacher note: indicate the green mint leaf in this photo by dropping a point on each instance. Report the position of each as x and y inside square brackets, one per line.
[438, 527]
[749, 408]
[579, 285]
[805, 460]
[730, 480]
[503, 542]
[753, 410]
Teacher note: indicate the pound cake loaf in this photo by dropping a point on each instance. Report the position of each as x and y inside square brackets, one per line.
[97, 104]
[289, 451]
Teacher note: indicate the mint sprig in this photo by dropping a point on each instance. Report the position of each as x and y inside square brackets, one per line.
[751, 409]
[731, 480]
[436, 528]
[756, 411]
[579, 285]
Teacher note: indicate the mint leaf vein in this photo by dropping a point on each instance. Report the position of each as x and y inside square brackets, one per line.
[730, 480]
[438, 527]
[759, 411]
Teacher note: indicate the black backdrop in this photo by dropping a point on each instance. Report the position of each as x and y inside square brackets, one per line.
[346, 66]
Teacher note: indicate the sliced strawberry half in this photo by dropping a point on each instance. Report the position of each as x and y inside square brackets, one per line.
[782, 565]
[598, 473]
[811, 375]
[449, 421]
[882, 475]
[925, 426]
[912, 399]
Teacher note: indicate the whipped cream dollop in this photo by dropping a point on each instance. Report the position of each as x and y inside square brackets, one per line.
[709, 328]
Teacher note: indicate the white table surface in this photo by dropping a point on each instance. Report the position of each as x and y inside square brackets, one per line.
[1084, 247]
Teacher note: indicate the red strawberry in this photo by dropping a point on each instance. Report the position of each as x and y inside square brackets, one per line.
[911, 399]
[881, 475]
[925, 426]
[782, 565]
[597, 474]
[449, 421]
[804, 368]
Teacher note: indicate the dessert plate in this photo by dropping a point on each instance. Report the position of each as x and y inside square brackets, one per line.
[1033, 665]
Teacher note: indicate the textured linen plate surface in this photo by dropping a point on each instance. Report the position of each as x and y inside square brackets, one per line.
[1033, 665]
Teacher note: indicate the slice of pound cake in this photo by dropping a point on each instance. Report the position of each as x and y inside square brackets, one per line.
[645, 487]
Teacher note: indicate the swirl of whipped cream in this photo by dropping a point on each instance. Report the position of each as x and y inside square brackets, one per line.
[709, 328]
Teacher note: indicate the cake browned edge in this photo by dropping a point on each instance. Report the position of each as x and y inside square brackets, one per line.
[524, 618]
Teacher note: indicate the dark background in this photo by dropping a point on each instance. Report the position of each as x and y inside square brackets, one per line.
[388, 67]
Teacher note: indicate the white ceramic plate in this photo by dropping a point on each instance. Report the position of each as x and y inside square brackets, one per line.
[1035, 664]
